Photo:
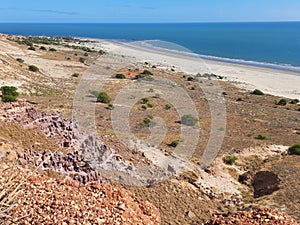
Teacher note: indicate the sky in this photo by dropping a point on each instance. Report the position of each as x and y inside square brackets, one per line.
[148, 11]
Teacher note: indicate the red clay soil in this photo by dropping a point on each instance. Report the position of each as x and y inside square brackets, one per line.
[49, 201]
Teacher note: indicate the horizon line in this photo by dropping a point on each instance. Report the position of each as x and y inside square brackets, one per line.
[188, 22]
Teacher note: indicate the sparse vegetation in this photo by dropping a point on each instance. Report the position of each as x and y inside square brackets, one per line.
[294, 101]
[230, 159]
[262, 137]
[147, 72]
[110, 106]
[43, 48]
[189, 120]
[31, 48]
[150, 105]
[52, 50]
[190, 79]
[295, 149]
[257, 92]
[282, 102]
[174, 143]
[144, 100]
[9, 93]
[33, 68]
[168, 106]
[20, 60]
[103, 97]
[120, 76]
[82, 60]
[75, 75]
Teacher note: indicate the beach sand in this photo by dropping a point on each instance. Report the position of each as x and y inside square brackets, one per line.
[270, 81]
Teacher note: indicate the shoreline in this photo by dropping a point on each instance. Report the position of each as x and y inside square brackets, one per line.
[271, 81]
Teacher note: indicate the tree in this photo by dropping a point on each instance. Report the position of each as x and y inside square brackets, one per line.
[9, 93]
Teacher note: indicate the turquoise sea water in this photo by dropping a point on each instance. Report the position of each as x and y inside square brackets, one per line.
[266, 44]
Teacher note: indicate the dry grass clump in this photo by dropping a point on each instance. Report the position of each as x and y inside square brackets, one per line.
[10, 184]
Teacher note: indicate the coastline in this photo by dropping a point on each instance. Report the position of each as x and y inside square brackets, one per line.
[271, 81]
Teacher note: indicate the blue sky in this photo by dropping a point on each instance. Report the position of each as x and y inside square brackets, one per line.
[139, 11]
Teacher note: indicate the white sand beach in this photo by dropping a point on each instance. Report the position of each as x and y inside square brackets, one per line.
[271, 81]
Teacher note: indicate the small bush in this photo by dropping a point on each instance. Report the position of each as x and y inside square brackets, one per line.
[150, 105]
[168, 106]
[282, 102]
[174, 143]
[147, 121]
[9, 93]
[103, 98]
[147, 72]
[120, 76]
[31, 48]
[33, 68]
[262, 137]
[190, 79]
[82, 60]
[144, 107]
[20, 60]
[144, 100]
[75, 75]
[294, 101]
[294, 150]
[110, 106]
[43, 48]
[188, 120]
[230, 159]
[257, 92]
[52, 50]
[86, 54]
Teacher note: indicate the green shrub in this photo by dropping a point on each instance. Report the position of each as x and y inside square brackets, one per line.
[33, 68]
[282, 102]
[110, 106]
[20, 60]
[147, 121]
[31, 48]
[257, 92]
[103, 98]
[190, 79]
[189, 120]
[174, 143]
[86, 54]
[146, 72]
[168, 106]
[52, 50]
[82, 60]
[43, 48]
[144, 107]
[294, 101]
[144, 100]
[120, 76]
[150, 105]
[229, 159]
[262, 137]
[294, 150]
[9, 93]
[75, 75]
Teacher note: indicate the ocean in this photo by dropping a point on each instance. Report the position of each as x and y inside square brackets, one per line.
[269, 44]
